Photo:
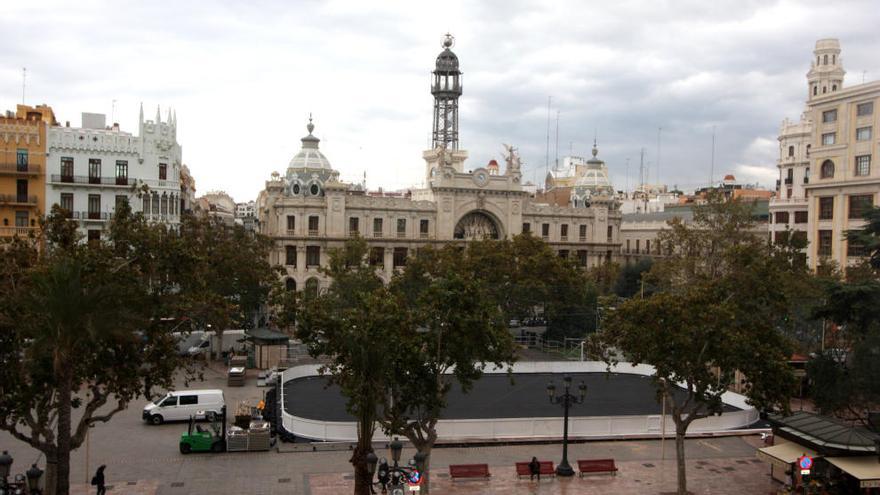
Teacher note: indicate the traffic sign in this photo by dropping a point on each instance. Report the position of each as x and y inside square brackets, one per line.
[805, 462]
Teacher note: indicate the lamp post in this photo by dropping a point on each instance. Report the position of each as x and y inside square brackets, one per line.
[394, 476]
[5, 467]
[566, 399]
[34, 475]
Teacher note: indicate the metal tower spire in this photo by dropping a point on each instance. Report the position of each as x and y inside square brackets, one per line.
[446, 88]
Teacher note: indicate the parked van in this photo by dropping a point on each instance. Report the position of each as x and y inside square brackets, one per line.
[180, 405]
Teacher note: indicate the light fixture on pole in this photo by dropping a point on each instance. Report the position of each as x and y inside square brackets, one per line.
[5, 467]
[566, 400]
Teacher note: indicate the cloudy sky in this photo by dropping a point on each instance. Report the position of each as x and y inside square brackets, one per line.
[244, 76]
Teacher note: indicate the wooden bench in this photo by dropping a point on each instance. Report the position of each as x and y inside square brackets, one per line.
[468, 471]
[547, 469]
[591, 466]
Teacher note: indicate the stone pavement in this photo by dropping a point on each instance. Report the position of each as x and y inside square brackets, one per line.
[139, 487]
[715, 477]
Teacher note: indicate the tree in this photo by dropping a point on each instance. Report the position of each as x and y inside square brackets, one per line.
[459, 329]
[629, 282]
[77, 333]
[718, 312]
[356, 324]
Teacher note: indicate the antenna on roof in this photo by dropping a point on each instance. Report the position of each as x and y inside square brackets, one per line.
[627, 175]
[547, 151]
[657, 171]
[557, 140]
[113, 112]
[23, 80]
[712, 163]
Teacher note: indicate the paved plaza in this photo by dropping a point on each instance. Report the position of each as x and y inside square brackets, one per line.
[144, 460]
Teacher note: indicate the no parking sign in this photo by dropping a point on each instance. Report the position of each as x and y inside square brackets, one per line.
[805, 462]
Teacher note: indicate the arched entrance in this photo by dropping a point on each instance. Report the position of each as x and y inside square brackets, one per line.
[290, 284]
[311, 287]
[476, 225]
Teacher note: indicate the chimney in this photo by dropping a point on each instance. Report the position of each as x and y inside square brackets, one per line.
[66, 123]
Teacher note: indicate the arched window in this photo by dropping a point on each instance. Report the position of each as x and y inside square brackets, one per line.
[791, 151]
[311, 287]
[815, 90]
[825, 60]
[808, 152]
[827, 170]
[833, 59]
[833, 87]
[290, 284]
[824, 89]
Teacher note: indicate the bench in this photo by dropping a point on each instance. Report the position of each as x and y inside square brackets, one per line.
[468, 471]
[547, 469]
[591, 466]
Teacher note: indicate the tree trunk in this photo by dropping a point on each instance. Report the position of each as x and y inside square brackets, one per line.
[362, 478]
[51, 484]
[425, 446]
[680, 431]
[63, 454]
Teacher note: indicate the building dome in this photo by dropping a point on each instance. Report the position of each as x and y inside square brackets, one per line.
[309, 157]
[593, 183]
[447, 61]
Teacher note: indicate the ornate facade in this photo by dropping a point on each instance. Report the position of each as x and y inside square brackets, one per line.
[308, 210]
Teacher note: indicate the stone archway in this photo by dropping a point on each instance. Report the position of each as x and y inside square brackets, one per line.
[476, 225]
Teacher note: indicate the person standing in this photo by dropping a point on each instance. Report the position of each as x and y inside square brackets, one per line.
[98, 480]
[535, 469]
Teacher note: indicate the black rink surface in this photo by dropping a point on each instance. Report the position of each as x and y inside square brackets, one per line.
[494, 396]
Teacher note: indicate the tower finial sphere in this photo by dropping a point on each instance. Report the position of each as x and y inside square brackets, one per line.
[311, 126]
[448, 41]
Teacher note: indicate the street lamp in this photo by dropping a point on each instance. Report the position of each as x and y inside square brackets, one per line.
[566, 399]
[395, 476]
[34, 474]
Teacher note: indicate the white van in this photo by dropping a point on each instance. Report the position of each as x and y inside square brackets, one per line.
[180, 405]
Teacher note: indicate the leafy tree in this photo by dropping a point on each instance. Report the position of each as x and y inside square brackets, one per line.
[719, 311]
[458, 330]
[629, 282]
[356, 324]
[77, 334]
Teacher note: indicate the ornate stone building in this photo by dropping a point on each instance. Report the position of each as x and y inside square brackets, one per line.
[308, 211]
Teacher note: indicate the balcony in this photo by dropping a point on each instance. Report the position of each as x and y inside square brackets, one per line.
[92, 216]
[806, 180]
[377, 234]
[788, 202]
[313, 232]
[583, 238]
[563, 238]
[788, 181]
[18, 231]
[423, 235]
[18, 199]
[401, 235]
[291, 231]
[19, 169]
[84, 179]
[353, 233]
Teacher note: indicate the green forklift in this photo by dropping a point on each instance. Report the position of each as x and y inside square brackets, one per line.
[200, 439]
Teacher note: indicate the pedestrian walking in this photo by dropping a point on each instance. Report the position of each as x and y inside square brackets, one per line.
[535, 469]
[98, 480]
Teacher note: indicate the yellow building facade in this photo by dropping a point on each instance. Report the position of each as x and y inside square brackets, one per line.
[23, 169]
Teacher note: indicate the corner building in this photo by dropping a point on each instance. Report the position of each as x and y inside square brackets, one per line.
[828, 175]
[308, 210]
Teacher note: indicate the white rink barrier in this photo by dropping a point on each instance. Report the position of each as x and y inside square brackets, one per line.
[500, 429]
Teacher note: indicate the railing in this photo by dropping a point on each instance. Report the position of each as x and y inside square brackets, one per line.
[313, 232]
[788, 181]
[87, 179]
[806, 180]
[563, 238]
[377, 234]
[92, 215]
[353, 233]
[19, 231]
[423, 235]
[788, 201]
[18, 199]
[291, 231]
[583, 238]
[401, 235]
[15, 168]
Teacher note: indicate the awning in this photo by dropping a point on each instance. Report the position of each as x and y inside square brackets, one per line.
[866, 469]
[784, 454]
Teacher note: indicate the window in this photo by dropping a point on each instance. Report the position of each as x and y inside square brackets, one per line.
[94, 236]
[791, 151]
[21, 218]
[583, 232]
[801, 217]
[610, 233]
[825, 60]
[829, 138]
[290, 284]
[163, 171]
[824, 243]
[164, 210]
[290, 255]
[863, 165]
[788, 193]
[563, 231]
[121, 200]
[399, 257]
[627, 245]
[582, 257]
[353, 226]
[815, 90]
[826, 208]
[189, 400]
[527, 228]
[377, 256]
[829, 116]
[545, 230]
[638, 247]
[648, 246]
[859, 205]
[21, 190]
[94, 205]
[808, 151]
[291, 223]
[94, 171]
[855, 249]
[401, 227]
[66, 169]
[863, 109]
[863, 134]
[781, 217]
[146, 208]
[563, 253]
[827, 170]
[67, 203]
[377, 227]
[155, 202]
[313, 225]
[780, 237]
[799, 238]
[121, 173]
[313, 256]
[423, 227]
[21, 160]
